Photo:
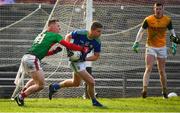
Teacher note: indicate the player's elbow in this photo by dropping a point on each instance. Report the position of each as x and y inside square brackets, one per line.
[91, 83]
[96, 56]
[40, 87]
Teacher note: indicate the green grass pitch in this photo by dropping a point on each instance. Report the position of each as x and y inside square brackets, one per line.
[150, 104]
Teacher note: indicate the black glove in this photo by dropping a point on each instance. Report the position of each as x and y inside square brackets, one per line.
[58, 49]
[175, 39]
[69, 52]
[82, 57]
[87, 50]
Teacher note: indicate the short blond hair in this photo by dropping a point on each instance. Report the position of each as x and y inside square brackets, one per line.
[52, 21]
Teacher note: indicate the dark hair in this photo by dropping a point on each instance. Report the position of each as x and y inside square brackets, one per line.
[52, 21]
[95, 25]
[158, 4]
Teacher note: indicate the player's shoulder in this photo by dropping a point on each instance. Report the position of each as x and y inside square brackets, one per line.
[82, 32]
[167, 17]
[152, 17]
[98, 40]
[52, 33]
[48, 32]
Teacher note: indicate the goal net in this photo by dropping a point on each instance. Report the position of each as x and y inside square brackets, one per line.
[118, 72]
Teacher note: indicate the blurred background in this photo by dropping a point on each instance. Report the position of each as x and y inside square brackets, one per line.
[119, 71]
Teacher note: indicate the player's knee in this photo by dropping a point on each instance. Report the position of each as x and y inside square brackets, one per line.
[148, 69]
[162, 73]
[76, 84]
[91, 83]
[40, 87]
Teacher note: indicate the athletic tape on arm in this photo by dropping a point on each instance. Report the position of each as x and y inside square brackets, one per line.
[140, 34]
[173, 32]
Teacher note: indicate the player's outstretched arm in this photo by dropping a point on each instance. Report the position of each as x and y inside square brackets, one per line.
[74, 47]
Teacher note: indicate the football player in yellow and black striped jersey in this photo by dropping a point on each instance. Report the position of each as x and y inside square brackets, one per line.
[156, 26]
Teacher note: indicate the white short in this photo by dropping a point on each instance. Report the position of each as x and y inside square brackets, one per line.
[157, 52]
[78, 66]
[30, 63]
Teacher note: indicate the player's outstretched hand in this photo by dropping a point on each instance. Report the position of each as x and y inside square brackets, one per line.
[175, 39]
[69, 52]
[173, 49]
[58, 49]
[135, 47]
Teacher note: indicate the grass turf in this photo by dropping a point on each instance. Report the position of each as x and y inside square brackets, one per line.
[150, 104]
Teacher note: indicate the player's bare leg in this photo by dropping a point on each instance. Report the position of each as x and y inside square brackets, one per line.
[74, 82]
[86, 95]
[163, 79]
[38, 78]
[28, 84]
[149, 60]
[90, 83]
